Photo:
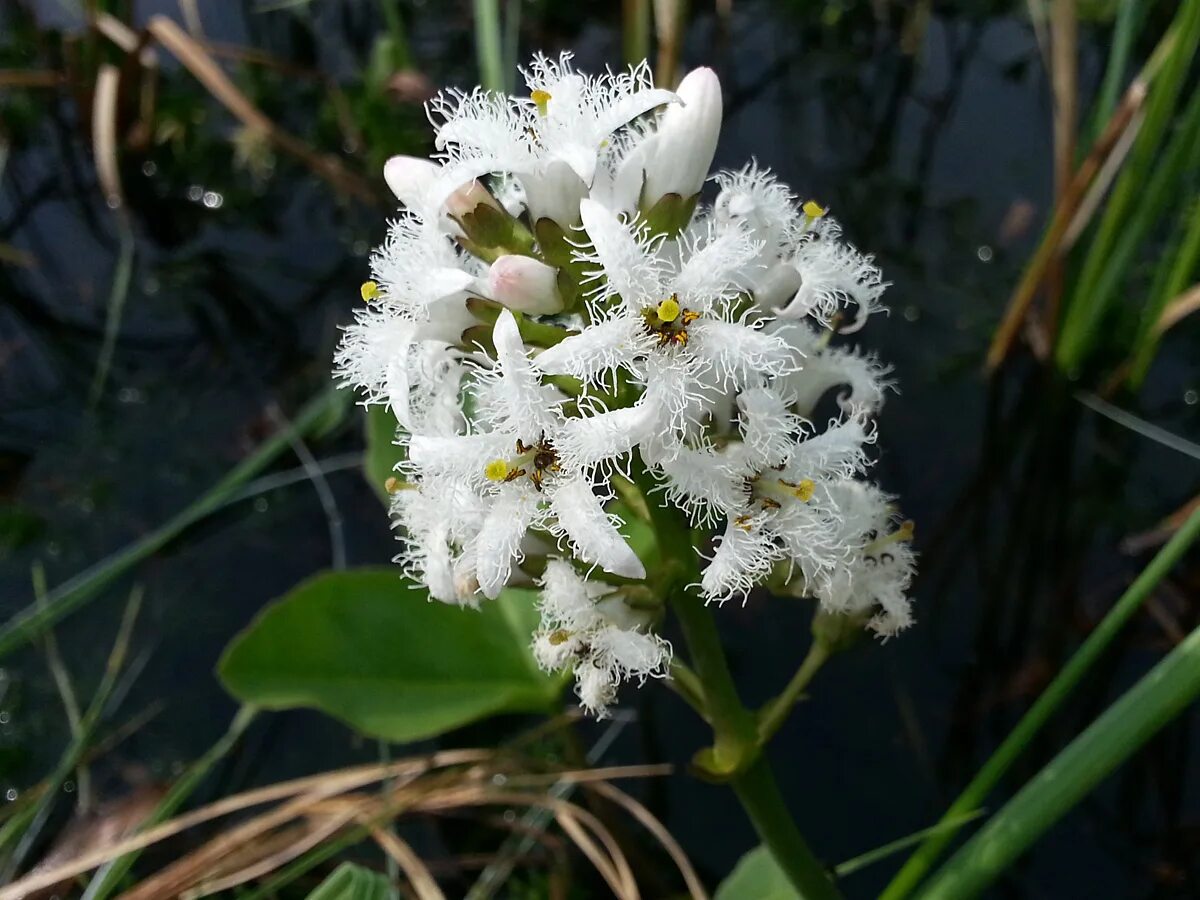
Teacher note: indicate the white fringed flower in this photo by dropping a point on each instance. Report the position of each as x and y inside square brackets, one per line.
[555, 306]
[515, 467]
[586, 629]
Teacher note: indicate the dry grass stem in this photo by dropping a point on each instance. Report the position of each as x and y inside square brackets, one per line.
[317, 808]
[1183, 305]
[1064, 212]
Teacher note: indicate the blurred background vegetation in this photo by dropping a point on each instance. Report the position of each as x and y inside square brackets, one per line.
[188, 192]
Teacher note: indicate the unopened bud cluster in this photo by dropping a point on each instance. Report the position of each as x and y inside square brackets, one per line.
[554, 304]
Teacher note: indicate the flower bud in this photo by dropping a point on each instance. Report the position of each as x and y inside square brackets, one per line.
[685, 140]
[524, 284]
[409, 178]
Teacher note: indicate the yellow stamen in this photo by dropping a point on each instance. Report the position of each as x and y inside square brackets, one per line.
[496, 470]
[803, 490]
[814, 210]
[558, 637]
[369, 291]
[541, 99]
[392, 485]
[905, 531]
[668, 310]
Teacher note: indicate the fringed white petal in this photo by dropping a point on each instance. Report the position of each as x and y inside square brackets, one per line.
[594, 536]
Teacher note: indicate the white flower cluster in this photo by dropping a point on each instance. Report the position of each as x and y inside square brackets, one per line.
[582, 313]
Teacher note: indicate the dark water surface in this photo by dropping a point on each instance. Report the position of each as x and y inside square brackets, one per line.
[1021, 496]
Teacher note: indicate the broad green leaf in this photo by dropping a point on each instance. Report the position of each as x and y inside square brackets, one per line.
[351, 882]
[367, 648]
[379, 464]
[756, 877]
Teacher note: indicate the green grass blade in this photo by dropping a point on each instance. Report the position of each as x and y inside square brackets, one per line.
[850, 866]
[1133, 206]
[80, 589]
[1124, 31]
[1124, 727]
[23, 827]
[488, 44]
[108, 879]
[975, 793]
[1177, 273]
[117, 296]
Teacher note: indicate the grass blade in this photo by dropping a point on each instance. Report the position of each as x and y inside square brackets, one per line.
[1124, 727]
[488, 44]
[974, 794]
[1138, 198]
[109, 877]
[78, 590]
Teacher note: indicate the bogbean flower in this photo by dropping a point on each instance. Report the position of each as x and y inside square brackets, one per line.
[556, 318]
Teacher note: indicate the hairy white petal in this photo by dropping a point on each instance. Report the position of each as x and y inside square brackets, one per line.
[598, 350]
[744, 557]
[499, 541]
[582, 518]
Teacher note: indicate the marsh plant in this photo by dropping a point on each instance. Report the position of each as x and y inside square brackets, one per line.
[630, 397]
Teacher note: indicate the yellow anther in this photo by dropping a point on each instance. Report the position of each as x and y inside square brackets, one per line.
[905, 531]
[558, 637]
[814, 210]
[392, 485]
[496, 470]
[541, 99]
[668, 310]
[803, 489]
[369, 291]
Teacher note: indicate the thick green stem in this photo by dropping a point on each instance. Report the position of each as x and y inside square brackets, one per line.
[734, 731]
[760, 797]
[736, 751]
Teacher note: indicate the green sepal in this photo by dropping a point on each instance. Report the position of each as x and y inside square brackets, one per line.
[479, 336]
[492, 233]
[558, 251]
[838, 631]
[486, 311]
[670, 215]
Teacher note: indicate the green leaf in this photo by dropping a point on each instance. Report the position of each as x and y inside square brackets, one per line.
[379, 464]
[367, 648]
[351, 882]
[757, 877]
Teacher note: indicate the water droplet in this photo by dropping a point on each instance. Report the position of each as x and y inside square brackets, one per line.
[984, 253]
[5, 717]
[499, 780]
[261, 505]
[150, 285]
[213, 200]
[195, 193]
[53, 550]
[11, 794]
[911, 313]
[510, 816]
[149, 168]
[1191, 397]
[113, 202]
[129, 395]
[68, 787]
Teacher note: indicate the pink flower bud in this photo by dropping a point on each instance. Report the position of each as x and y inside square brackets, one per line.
[409, 178]
[524, 284]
